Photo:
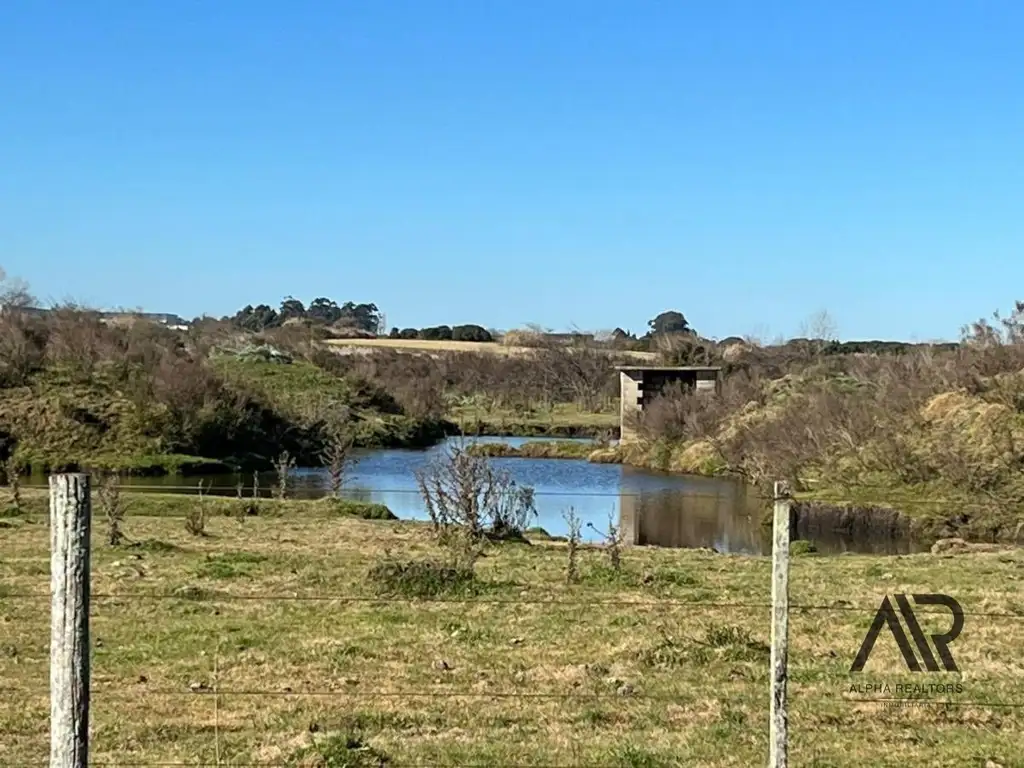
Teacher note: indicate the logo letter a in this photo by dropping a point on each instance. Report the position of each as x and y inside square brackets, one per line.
[886, 615]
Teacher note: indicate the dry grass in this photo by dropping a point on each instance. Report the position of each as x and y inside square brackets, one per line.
[590, 680]
[438, 346]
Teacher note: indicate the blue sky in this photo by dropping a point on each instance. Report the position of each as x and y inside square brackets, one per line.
[566, 162]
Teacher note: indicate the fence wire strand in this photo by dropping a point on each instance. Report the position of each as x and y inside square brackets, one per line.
[228, 598]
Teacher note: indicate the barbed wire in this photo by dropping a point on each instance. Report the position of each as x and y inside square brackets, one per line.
[232, 492]
[221, 597]
[354, 694]
[311, 493]
[634, 696]
[224, 763]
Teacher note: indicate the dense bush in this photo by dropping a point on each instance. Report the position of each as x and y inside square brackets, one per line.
[471, 333]
[436, 333]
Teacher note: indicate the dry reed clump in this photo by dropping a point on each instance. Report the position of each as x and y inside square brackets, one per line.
[463, 492]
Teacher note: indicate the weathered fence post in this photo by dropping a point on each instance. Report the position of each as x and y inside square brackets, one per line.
[70, 512]
[780, 627]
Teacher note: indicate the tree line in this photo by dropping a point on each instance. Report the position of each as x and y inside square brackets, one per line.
[322, 311]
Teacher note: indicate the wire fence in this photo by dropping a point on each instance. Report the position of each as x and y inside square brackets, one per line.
[532, 709]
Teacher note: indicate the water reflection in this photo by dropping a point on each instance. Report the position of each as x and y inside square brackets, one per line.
[727, 522]
[651, 508]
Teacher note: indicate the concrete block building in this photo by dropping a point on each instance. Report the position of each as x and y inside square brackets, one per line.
[638, 385]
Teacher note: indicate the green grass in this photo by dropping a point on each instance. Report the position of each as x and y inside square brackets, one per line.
[664, 664]
[310, 394]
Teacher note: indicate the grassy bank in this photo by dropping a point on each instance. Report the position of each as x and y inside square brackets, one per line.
[924, 511]
[662, 664]
[550, 449]
[560, 420]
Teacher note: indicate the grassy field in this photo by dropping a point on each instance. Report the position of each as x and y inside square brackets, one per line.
[437, 346]
[207, 651]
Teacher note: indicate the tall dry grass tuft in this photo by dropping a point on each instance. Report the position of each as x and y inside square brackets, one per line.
[572, 547]
[195, 518]
[284, 465]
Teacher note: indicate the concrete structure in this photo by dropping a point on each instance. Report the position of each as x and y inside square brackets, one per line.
[638, 385]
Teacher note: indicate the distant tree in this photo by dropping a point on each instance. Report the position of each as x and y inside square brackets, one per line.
[324, 310]
[471, 333]
[256, 318]
[365, 317]
[408, 333]
[395, 334]
[14, 292]
[291, 308]
[437, 333]
[669, 322]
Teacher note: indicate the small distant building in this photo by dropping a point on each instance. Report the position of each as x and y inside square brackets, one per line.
[638, 385]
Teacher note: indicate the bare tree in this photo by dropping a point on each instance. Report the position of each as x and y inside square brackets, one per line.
[14, 292]
[820, 330]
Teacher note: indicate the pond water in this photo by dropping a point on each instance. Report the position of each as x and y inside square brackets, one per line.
[651, 508]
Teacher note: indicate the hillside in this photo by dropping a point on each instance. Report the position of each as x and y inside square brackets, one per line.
[75, 391]
[922, 424]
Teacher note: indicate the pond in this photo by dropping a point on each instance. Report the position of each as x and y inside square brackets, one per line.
[650, 507]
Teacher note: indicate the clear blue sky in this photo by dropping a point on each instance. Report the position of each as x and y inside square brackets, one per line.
[577, 163]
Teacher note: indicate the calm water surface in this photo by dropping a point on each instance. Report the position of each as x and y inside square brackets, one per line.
[650, 507]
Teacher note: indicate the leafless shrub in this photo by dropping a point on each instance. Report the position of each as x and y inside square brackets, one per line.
[246, 507]
[612, 542]
[14, 293]
[284, 465]
[195, 518]
[113, 507]
[573, 540]
[22, 346]
[463, 491]
[76, 341]
[337, 455]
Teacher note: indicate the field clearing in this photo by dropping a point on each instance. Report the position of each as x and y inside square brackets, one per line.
[664, 663]
[438, 346]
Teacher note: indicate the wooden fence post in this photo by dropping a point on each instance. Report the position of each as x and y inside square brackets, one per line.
[780, 627]
[70, 512]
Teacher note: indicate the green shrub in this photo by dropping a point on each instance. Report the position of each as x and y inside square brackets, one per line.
[420, 578]
[364, 510]
[802, 547]
[338, 751]
[471, 333]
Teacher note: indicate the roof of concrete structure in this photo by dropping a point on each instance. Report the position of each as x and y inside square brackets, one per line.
[667, 368]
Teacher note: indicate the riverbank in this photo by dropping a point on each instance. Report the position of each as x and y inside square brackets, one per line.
[662, 663]
[561, 420]
[924, 512]
[540, 449]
